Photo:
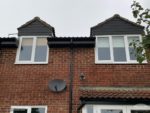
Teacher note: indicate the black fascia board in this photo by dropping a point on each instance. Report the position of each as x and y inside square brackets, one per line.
[76, 42]
[8, 42]
[115, 101]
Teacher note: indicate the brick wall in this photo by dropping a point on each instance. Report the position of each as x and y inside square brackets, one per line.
[28, 84]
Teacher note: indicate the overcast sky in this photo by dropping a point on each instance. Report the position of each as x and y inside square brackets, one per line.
[69, 17]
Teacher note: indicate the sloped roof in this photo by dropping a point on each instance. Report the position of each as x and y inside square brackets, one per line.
[116, 93]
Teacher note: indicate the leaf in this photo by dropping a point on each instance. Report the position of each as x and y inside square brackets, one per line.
[135, 13]
[147, 16]
[143, 17]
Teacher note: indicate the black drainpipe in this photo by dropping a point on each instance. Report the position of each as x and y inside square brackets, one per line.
[71, 76]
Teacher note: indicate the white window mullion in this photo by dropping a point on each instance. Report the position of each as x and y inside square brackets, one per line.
[111, 49]
[18, 50]
[33, 49]
[96, 109]
[47, 54]
[127, 110]
[127, 48]
[140, 38]
[96, 50]
[124, 109]
[84, 109]
[29, 110]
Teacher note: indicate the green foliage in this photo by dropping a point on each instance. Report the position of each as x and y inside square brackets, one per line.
[143, 17]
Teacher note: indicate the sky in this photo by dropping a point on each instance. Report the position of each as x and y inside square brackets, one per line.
[68, 17]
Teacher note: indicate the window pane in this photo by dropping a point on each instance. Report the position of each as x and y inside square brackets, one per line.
[119, 49]
[41, 50]
[132, 53]
[131, 49]
[103, 42]
[140, 111]
[103, 53]
[20, 111]
[111, 111]
[38, 110]
[26, 49]
[133, 38]
[103, 48]
[89, 109]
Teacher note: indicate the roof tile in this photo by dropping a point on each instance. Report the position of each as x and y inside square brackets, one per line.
[114, 94]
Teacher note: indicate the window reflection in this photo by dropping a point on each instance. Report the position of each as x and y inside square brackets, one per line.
[41, 50]
[89, 109]
[140, 111]
[119, 49]
[111, 111]
[26, 49]
[20, 111]
[103, 48]
[132, 51]
[37, 110]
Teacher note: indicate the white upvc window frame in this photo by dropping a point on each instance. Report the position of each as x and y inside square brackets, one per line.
[111, 61]
[17, 61]
[27, 107]
[98, 108]
[124, 108]
[137, 107]
[109, 107]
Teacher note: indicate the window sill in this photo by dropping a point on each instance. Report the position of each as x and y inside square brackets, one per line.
[145, 62]
[31, 63]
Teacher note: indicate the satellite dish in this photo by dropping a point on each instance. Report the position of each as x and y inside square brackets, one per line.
[57, 85]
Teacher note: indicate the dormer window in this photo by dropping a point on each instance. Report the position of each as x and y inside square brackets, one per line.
[115, 49]
[32, 50]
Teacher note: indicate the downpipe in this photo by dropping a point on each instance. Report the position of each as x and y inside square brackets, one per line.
[71, 76]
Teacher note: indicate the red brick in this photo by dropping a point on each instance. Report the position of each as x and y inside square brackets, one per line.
[28, 84]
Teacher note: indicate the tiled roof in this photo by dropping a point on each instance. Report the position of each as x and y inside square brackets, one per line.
[116, 93]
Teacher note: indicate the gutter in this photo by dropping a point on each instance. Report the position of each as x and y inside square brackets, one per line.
[75, 42]
[8, 42]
